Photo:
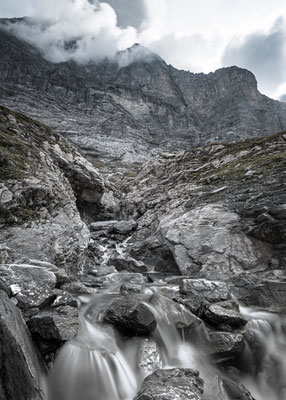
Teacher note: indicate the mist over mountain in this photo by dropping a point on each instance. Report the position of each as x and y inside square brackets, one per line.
[134, 103]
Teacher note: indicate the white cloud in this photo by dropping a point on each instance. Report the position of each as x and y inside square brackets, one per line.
[188, 34]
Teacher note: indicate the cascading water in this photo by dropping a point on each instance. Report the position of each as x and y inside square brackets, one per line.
[266, 355]
[102, 364]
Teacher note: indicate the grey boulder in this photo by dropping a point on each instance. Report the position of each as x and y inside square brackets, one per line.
[170, 384]
[22, 369]
[131, 316]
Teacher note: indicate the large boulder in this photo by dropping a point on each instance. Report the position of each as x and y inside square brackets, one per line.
[31, 285]
[205, 242]
[22, 370]
[61, 323]
[131, 316]
[224, 314]
[252, 291]
[170, 384]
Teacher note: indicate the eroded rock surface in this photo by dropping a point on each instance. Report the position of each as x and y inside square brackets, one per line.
[22, 371]
[46, 187]
[169, 384]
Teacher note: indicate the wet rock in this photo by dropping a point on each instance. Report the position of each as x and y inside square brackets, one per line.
[217, 314]
[61, 323]
[76, 288]
[255, 292]
[21, 367]
[226, 347]
[124, 227]
[198, 292]
[147, 355]
[130, 288]
[122, 277]
[125, 263]
[170, 384]
[156, 256]
[32, 286]
[64, 298]
[102, 225]
[175, 313]
[130, 315]
[236, 390]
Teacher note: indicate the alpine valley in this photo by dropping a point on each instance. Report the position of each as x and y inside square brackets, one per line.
[142, 230]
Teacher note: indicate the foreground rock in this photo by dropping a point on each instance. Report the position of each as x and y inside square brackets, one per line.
[32, 286]
[22, 371]
[170, 384]
[61, 323]
[130, 315]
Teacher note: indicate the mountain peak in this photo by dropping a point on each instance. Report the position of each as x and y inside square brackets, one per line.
[137, 52]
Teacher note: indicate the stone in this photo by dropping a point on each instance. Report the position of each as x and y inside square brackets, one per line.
[124, 227]
[76, 288]
[148, 358]
[217, 314]
[236, 390]
[22, 370]
[125, 263]
[61, 323]
[64, 298]
[32, 286]
[225, 347]
[102, 225]
[201, 291]
[131, 316]
[252, 291]
[170, 384]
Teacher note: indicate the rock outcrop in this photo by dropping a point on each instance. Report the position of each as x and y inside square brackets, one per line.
[218, 210]
[47, 189]
[22, 371]
[132, 112]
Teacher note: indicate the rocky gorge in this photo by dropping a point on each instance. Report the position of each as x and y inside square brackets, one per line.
[127, 280]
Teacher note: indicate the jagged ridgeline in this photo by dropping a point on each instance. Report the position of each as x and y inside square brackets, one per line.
[130, 112]
[127, 280]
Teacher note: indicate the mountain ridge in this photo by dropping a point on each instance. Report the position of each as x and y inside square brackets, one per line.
[136, 111]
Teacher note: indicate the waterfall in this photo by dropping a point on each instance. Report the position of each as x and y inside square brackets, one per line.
[266, 355]
[102, 364]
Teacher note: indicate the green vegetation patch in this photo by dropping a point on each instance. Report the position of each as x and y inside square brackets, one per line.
[17, 157]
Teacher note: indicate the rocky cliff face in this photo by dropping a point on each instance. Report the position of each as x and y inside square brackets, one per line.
[47, 189]
[131, 112]
[218, 211]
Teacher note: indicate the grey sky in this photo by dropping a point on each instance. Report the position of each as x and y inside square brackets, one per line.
[199, 36]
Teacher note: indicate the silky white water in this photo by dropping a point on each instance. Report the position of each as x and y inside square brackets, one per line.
[102, 364]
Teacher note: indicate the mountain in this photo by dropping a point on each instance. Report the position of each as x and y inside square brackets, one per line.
[135, 106]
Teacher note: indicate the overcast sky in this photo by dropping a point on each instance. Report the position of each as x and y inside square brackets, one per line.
[196, 35]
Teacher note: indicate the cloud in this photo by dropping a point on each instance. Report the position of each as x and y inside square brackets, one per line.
[129, 12]
[74, 29]
[199, 36]
[262, 53]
